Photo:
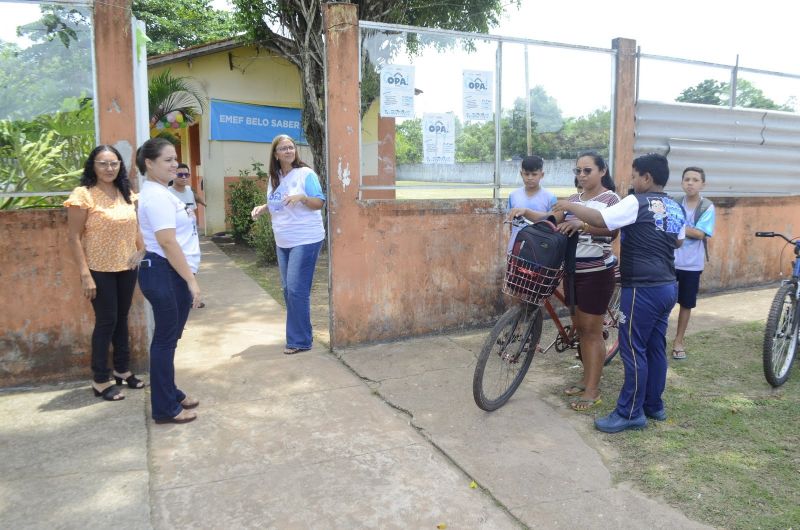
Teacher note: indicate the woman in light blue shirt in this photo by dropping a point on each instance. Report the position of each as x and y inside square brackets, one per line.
[294, 202]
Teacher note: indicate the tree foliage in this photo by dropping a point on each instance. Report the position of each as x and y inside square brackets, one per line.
[713, 92]
[56, 66]
[293, 30]
[170, 93]
[552, 135]
[45, 154]
[177, 24]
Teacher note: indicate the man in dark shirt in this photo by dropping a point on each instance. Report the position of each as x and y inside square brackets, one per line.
[652, 226]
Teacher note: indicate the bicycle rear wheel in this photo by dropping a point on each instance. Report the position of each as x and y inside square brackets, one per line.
[780, 336]
[506, 356]
[611, 326]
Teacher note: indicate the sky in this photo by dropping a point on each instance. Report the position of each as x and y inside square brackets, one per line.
[761, 33]
[702, 30]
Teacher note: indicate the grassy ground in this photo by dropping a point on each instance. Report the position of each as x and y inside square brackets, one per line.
[728, 454]
[463, 191]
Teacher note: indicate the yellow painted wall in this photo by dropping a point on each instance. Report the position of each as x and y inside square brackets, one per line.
[369, 140]
[258, 78]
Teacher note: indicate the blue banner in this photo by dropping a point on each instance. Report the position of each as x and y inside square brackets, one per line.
[254, 123]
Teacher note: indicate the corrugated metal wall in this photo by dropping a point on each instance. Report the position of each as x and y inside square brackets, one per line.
[744, 152]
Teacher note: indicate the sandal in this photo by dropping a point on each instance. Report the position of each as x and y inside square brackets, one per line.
[574, 390]
[111, 393]
[679, 355]
[585, 405]
[131, 380]
[292, 351]
[190, 403]
[182, 417]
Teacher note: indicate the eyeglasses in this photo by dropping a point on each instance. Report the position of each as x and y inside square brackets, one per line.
[585, 170]
[285, 148]
[105, 164]
[182, 175]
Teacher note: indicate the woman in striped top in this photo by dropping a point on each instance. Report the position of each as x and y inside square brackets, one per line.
[594, 274]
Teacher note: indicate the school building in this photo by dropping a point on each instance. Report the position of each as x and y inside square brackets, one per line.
[252, 96]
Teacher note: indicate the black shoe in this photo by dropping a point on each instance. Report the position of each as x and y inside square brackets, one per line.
[660, 415]
[111, 393]
[132, 381]
[616, 423]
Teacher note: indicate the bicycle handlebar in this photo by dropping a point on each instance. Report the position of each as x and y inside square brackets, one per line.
[519, 221]
[773, 234]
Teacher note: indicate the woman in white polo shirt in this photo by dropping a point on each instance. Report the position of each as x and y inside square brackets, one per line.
[166, 275]
[294, 201]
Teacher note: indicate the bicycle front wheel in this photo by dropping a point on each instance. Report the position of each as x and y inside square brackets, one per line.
[780, 336]
[506, 356]
[611, 326]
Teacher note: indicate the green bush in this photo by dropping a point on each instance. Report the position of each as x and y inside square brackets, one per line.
[262, 240]
[244, 195]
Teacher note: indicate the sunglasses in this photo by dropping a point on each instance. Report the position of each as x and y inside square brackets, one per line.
[585, 170]
[182, 175]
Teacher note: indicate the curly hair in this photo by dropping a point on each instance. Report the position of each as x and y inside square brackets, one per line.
[89, 177]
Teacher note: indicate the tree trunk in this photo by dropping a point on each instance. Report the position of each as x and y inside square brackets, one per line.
[313, 91]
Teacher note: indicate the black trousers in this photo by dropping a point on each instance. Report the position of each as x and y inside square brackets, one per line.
[111, 306]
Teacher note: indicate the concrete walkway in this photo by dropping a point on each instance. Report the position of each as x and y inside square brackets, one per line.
[385, 436]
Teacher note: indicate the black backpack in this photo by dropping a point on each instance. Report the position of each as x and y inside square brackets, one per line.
[536, 246]
[541, 244]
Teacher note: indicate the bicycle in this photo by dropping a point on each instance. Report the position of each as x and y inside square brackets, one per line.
[508, 351]
[781, 332]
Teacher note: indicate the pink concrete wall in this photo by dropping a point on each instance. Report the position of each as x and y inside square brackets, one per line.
[408, 268]
[736, 257]
[46, 321]
[113, 43]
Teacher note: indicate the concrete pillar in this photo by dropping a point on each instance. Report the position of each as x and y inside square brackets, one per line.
[342, 106]
[387, 162]
[624, 126]
[113, 42]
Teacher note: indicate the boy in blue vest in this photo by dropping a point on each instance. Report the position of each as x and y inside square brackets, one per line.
[531, 201]
[652, 226]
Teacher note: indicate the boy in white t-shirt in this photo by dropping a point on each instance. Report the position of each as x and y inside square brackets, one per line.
[181, 189]
[531, 201]
[690, 258]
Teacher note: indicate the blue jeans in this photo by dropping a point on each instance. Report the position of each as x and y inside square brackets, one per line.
[297, 266]
[643, 347]
[171, 301]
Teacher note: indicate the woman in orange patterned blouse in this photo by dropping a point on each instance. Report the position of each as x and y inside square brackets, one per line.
[107, 246]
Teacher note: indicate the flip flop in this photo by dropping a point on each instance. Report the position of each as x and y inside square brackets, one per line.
[574, 390]
[585, 405]
[679, 355]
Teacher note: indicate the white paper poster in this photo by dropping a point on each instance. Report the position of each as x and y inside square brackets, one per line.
[397, 91]
[478, 100]
[438, 138]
